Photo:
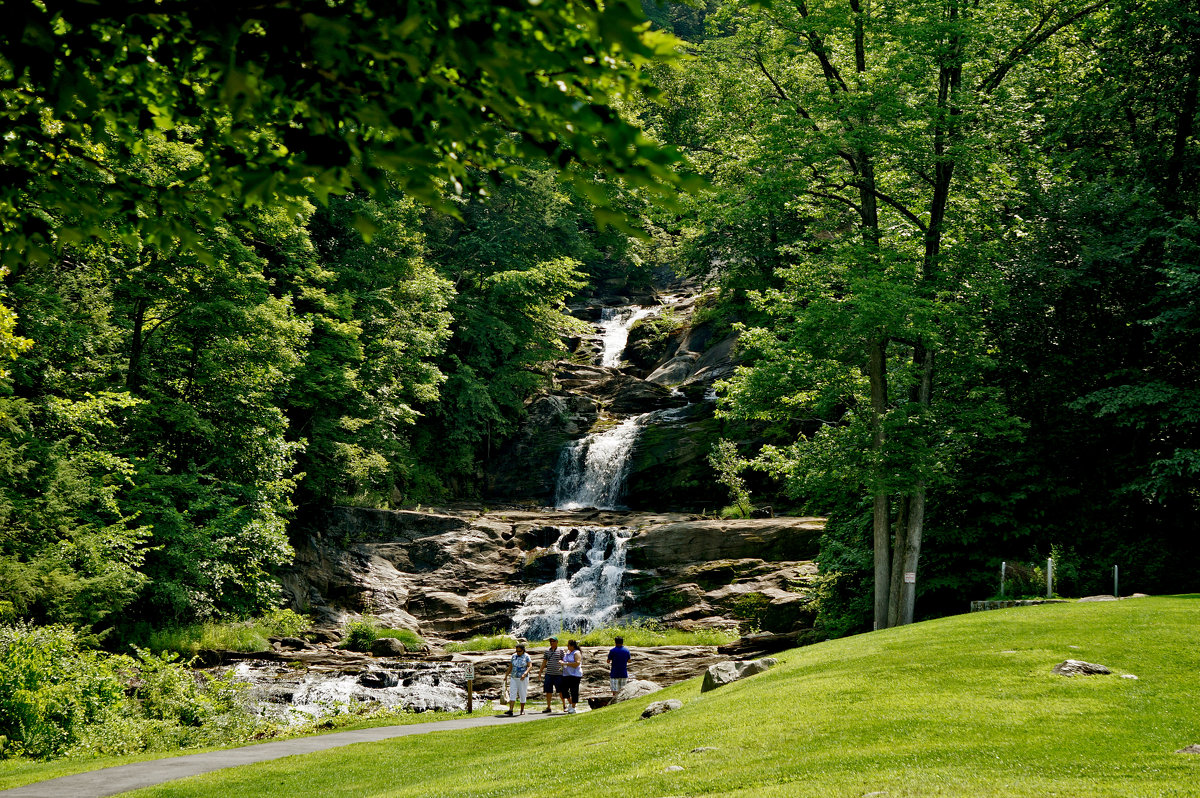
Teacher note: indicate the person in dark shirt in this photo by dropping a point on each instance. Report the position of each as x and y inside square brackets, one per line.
[618, 662]
[551, 675]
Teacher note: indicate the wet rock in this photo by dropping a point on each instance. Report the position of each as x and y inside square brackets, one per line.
[1076, 667]
[659, 707]
[1191, 749]
[675, 370]
[637, 396]
[526, 465]
[378, 679]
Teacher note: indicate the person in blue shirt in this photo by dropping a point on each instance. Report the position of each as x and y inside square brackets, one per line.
[618, 662]
[517, 674]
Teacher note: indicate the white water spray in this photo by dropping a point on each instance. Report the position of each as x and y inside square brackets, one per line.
[586, 599]
[614, 331]
[592, 470]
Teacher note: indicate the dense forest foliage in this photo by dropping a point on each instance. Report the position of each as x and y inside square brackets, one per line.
[960, 239]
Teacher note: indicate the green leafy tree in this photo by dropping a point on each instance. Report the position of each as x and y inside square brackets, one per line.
[379, 324]
[729, 465]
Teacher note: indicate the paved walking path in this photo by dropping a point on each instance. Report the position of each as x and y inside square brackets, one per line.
[123, 778]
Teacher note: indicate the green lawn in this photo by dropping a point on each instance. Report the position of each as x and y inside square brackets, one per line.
[962, 706]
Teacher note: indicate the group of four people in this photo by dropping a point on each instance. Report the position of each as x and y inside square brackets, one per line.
[561, 673]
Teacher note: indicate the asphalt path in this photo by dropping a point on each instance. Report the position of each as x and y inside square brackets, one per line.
[123, 778]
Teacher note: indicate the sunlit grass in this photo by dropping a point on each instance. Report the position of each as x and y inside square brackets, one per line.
[248, 635]
[634, 634]
[961, 706]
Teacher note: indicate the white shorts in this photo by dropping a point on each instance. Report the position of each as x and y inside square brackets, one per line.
[518, 689]
[617, 684]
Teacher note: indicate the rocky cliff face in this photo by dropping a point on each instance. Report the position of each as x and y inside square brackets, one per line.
[457, 572]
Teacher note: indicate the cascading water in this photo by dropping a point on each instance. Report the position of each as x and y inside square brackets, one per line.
[299, 696]
[592, 470]
[580, 601]
[614, 331]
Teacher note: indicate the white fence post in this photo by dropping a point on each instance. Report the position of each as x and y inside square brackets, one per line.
[1049, 578]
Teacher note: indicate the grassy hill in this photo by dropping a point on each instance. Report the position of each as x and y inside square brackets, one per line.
[961, 706]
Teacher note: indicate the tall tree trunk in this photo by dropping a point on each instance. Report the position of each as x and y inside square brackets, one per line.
[878, 378]
[944, 133]
[916, 505]
[1179, 180]
[133, 377]
[899, 550]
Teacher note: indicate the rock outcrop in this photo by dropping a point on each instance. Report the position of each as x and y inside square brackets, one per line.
[457, 572]
[670, 365]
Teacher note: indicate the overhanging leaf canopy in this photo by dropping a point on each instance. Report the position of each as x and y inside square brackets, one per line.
[437, 96]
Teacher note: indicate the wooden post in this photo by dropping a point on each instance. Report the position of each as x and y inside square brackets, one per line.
[469, 672]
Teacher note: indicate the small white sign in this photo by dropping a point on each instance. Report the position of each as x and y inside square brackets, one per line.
[469, 670]
[910, 577]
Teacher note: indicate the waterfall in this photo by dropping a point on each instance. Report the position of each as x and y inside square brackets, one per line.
[586, 599]
[614, 331]
[592, 470]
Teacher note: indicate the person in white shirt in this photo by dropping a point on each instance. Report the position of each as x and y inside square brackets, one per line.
[517, 674]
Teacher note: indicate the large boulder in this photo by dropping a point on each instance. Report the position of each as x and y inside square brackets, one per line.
[719, 675]
[636, 396]
[723, 673]
[636, 688]
[387, 647]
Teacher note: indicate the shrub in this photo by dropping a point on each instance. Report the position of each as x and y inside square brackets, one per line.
[360, 635]
[51, 690]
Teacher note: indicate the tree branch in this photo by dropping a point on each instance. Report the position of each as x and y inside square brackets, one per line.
[1032, 39]
[782, 93]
